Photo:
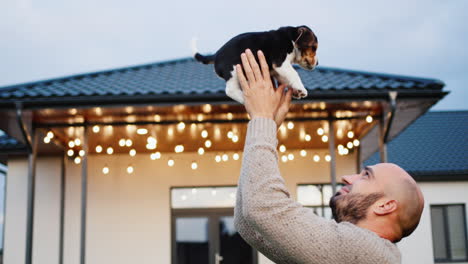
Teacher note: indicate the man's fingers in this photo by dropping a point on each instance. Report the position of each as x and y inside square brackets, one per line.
[264, 65]
[254, 65]
[247, 68]
[241, 77]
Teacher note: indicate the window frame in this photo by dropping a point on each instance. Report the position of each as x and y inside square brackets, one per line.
[320, 186]
[448, 245]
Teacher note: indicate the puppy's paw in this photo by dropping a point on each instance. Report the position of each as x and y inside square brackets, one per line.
[298, 94]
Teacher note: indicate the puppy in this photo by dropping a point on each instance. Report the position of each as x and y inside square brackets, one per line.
[281, 47]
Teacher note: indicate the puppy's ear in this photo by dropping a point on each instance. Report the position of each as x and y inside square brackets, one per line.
[301, 31]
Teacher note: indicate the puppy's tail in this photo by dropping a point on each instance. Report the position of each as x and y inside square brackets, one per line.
[201, 58]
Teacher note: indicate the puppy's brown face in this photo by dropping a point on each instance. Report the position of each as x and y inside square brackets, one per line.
[307, 45]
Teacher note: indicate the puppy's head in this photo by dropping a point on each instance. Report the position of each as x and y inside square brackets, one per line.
[306, 44]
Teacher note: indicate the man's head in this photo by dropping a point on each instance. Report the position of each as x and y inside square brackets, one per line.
[383, 198]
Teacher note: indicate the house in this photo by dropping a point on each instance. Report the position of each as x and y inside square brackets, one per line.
[140, 164]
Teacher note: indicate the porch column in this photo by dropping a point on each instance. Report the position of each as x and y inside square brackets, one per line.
[84, 192]
[62, 206]
[31, 198]
[331, 149]
[382, 144]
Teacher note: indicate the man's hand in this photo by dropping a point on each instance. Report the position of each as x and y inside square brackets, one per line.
[261, 97]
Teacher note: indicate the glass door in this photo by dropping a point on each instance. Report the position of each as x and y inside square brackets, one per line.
[208, 236]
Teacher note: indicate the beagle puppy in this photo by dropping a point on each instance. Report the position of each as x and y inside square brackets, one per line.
[281, 48]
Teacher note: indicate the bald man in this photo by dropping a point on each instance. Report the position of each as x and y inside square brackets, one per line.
[374, 210]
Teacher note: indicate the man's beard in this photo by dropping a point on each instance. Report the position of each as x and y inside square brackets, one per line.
[352, 207]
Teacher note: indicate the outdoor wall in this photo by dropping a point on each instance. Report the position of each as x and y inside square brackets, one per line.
[417, 248]
[128, 217]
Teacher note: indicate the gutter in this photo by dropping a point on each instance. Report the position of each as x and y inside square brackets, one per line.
[22, 126]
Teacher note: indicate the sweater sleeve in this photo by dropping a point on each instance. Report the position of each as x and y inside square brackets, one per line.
[283, 230]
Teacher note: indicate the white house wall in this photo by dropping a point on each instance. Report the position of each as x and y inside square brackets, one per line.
[128, 217]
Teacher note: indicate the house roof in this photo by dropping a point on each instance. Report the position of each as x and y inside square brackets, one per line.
[10, 145]
[434, 147]
[185, 80]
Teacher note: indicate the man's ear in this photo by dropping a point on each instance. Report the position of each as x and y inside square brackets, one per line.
[384, 207]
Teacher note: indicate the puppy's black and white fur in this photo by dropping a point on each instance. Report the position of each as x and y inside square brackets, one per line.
[281, 47]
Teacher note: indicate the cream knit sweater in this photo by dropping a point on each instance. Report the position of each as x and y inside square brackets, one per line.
[284, 231]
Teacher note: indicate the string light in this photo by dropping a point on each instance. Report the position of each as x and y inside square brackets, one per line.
[122, 142]
[157, 118]
[218, 158]
[181, 126]
[155, 156]
[81, 153]
[201, 151]
[71, 144]
[316, 158]
[345, 151]
[77, 142]
[356, 142]
[320, 131]
[194, 165]
[204, 134]
[142, 131]
[129, 169]
[282, 148]
[350, 145]
[327, 158]
[369, 119]
[290, 125]
[307, 137]
[151, 143]
[290, 156]
[50, 134]
[200, 117]
[235, 156]
[77, 160]
[47, 140]
[179, 149]
[350, 134]
[110, 150]
[98, 149]
[132, 152]
[325, 138]
[230, 134]
[284, 158]
[70, 152]
[170, 162]
[208, 143]
[229, 116]
[128, 143]
[225, 157]
[207, 108]
[105, 170]
[96, 129]
[303, 153]
[235, 138]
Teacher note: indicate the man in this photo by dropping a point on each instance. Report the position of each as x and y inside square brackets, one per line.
[376, 208]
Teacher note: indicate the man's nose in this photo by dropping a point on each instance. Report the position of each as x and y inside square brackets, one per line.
[350, 179]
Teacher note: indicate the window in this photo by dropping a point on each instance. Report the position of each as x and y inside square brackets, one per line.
[316, 196]
[449, 233]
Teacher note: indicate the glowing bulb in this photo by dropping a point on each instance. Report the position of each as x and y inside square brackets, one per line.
[218, 158]
[155, 156]
[77, 141]
[105, 170]
[132, 152]
[181, 126]
[128, 143]
[200, 117]
[96, 130]
[303, 153]
[208, 143]
[71, 144]
[290, 156]
[129, 169]
[235, 156]
[201, 151]
[157, 118]
[225, 157]
[320, 131]
[142, 131]
[350, 134]
[325, 138]
[47, 140]
[194, 165]
[369, 119]
[307, 137]
[327, 158]
[179, 149]
[235, 138]
[316, 158]
[81, 153]
[122, 142]
[356, 142]
[70, 152]
[350, 145]
[204, 134]
[290, 125]
[229, 116]
[170, 162]
[207, 108]
[110, 150]
[230, 134]
[282, 148]
[77, 160]
[50, 134]
[340, 147]
[150, 146]
[284, 158]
